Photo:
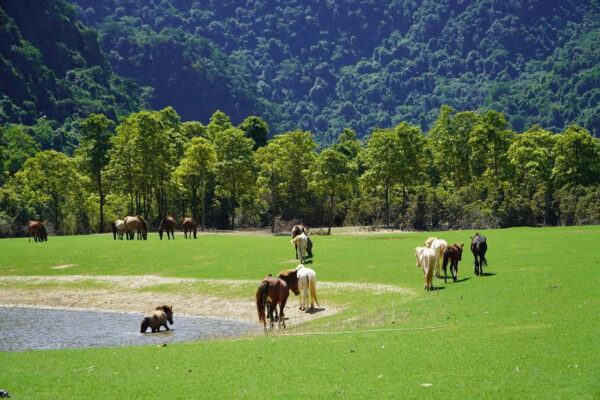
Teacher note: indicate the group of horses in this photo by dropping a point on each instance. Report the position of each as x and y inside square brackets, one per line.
[273, 292]
[437, 250]
[130, 225]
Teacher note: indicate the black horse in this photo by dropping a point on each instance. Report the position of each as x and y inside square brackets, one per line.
[478, 248]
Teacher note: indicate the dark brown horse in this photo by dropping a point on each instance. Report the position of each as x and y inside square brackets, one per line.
[271, 292]
[168, 225]
[37, 230]
[478, 248]
[453, 253]
[298, 229]
[189, 226]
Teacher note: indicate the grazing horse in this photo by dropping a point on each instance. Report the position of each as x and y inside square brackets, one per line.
[297, 230]
[478, 248]
[167, 224]
[276, 292]
[438, 246]
[37, 230]
[189, 226]
[300, 242]
[118, 229]
[454, 254]
[157, 318]
[426, 260]
[136, 224]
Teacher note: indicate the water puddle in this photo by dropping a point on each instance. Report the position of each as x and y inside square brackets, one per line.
[43, 329]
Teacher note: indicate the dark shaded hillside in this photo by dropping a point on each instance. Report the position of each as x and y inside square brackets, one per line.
[333, 64]
[52, 67]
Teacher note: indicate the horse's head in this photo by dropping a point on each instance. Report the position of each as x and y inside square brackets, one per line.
[168, 309]
[459, 247]
[290, 276]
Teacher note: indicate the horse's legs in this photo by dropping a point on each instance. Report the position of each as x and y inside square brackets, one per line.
[296, 247]
[454, 270]
[281, 314]
[195, 232]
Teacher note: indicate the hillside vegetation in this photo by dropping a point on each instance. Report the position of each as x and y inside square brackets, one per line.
[333, 65]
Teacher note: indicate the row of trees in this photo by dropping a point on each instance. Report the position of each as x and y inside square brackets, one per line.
[469, 170]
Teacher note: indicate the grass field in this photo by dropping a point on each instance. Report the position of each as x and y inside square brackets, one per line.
[528, 329]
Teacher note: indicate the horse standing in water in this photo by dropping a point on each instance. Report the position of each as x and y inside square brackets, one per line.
[37, 230]
[189, 226]
[453, 253]
[478, 248]
[167, 224]
[136, 224]
[276, 292]
[118, 229]
[297, 230]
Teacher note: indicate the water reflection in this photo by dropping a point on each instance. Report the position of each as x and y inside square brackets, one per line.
[37, 329]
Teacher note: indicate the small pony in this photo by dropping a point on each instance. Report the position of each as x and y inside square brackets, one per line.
[302, 278]
[438, 246]
[301, 242]
[454, 254]
[271, 291]
[157, 318]
[118, 229]
[189, 226]
[297, 230]
[478, 248]
[426, 260]
[37, 230]
[167, 224]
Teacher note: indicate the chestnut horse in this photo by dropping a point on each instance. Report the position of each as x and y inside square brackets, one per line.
[189, 225]
[478, 248]
[136, 224]
[167, 224]
[37, 230]
[276, 292]
[454, 254]
[297, 230]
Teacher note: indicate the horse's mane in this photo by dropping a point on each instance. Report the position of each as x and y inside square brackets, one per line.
[143, 221]
[286, 272]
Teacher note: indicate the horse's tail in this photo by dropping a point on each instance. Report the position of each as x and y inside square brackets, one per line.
[113, 226]
[145, 324]
[261, 300]
[143, 221]
[313, 289]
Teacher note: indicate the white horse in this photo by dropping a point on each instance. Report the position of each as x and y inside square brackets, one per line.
[307, 279]
[439, 246]
[426, 260]
[118, 228]
[301, 242]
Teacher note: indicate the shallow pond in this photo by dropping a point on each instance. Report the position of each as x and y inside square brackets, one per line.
[37, 329]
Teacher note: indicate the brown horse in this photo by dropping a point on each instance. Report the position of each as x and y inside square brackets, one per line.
[189, 226]
[167, 224]
[298, 229]
[37, 230]
[157, 318]
[271, 292]
[454, 254]
[136, 224]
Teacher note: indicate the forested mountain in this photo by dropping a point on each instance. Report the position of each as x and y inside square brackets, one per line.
[360, 64]
[53, 72]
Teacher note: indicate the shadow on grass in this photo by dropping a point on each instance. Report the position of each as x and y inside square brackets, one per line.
[315, 310]
[435, 288]
[459, 280]
[488, 274]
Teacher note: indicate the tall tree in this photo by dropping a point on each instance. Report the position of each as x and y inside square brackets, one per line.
[199, 161]
[235, 166]
[95, 144]
[256, 129]
[577, 157]
[331, 176]
[270, 175]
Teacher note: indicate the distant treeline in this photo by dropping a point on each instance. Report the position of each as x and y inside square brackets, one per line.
[469, 171]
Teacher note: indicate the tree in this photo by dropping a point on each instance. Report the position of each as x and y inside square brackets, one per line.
[51, 179]
[199, 161]
[577, 157]
[256, 129]
[235, 166]
[95, 144]
[270, 174]
[331, 176]
[489, 143]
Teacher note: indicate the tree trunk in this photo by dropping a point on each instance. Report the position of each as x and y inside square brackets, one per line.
[273, 211]
[233, 212]
[330, 214]
[387, 207]
[101, 230]
[203, 209]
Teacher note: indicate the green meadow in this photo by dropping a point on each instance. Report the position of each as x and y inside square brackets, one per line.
[529, 328]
